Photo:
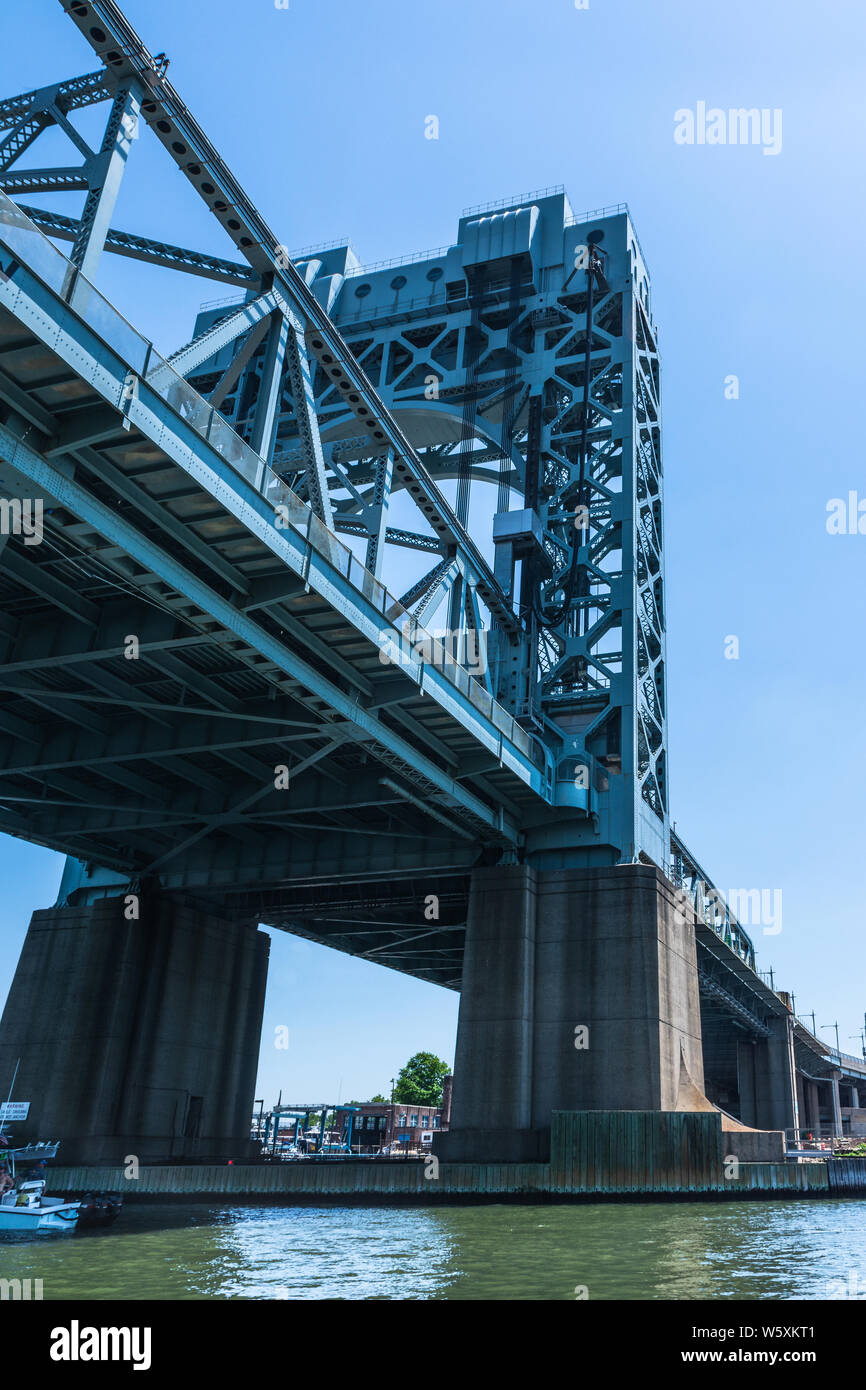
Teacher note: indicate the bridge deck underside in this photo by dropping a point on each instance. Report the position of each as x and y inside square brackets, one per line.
[159, 760]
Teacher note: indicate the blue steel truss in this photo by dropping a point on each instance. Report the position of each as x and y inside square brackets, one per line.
[482, 352]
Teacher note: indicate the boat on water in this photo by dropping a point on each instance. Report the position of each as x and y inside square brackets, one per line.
[98, 1209]
[23, 1205]
[28, 1209]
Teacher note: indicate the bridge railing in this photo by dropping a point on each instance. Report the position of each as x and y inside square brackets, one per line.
[33, 249]
[838, 1059]
[816, 1140]
[708, 902]
[497, 204]
[411, 258]
[612, 210]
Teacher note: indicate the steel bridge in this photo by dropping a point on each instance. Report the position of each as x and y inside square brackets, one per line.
[255, 662]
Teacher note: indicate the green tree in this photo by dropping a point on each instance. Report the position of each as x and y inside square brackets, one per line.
[376, 1100]
[420, 1081]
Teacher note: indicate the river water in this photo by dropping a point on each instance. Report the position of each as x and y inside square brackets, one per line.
[682, 1250]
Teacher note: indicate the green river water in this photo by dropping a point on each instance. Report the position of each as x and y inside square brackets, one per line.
[682, 1250]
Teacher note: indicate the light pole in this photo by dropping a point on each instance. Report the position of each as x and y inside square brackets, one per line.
[836, 1026]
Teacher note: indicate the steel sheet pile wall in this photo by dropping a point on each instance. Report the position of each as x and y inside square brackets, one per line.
[847, 1175]
[782, 1179]
[301, 1180]
[636, 1151]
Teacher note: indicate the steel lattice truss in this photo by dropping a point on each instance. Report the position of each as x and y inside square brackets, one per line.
[484, 364]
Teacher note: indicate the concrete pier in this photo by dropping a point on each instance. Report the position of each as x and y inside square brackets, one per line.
[769, 1093]
[580, 992]
[136, 1036]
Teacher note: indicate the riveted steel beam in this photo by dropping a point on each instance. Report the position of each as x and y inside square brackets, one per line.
[141, 248]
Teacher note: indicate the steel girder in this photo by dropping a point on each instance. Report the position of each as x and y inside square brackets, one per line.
[292, 327]
[141, 248]
[66, 96]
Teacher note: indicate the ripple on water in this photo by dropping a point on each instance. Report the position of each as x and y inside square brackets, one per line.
[764, 1250]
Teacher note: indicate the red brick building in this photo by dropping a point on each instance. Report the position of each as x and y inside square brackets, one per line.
[378, 1125]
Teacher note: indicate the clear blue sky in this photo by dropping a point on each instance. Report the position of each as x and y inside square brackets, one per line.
[757, 265]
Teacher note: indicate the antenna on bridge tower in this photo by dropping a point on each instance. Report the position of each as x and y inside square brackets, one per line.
[11, 1088]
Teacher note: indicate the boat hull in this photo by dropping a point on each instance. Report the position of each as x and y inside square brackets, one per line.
[61, 1217]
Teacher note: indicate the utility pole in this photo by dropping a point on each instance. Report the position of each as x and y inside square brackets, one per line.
[393, 1133]
[836, 1026]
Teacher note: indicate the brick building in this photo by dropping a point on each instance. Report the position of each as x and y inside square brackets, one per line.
[381, 1125]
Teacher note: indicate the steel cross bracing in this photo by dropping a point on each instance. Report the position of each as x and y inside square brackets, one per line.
[481, 351]
[145, 249]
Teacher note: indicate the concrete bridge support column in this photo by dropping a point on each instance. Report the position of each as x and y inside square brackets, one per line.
[775, 1085]
[814, 1107]
[491, 1103]
[811, 1118]
[836, 1103]
[746, 1083]
[580, 992]
[136, 1036]
[801, 1100]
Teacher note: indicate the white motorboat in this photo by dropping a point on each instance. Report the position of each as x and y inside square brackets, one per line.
[24, 1206]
